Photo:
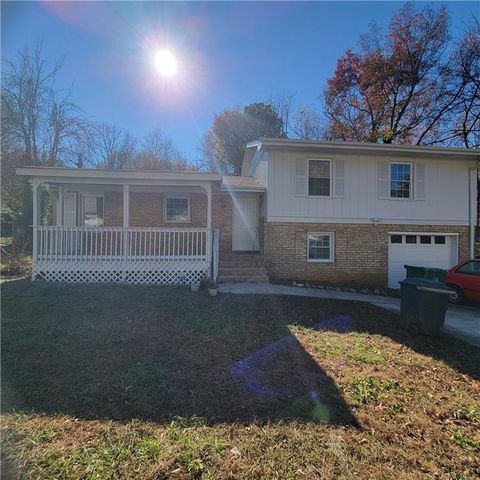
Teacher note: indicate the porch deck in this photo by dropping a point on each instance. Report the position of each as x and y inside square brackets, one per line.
[135, 255]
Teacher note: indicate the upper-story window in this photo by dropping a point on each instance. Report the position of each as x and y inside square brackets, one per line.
[177, 209]
[401, 180]
[319, 178]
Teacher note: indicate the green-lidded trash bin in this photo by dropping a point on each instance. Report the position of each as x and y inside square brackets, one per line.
[423, 305]
[430, 273]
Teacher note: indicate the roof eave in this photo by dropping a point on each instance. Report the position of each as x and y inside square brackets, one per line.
[376, 148]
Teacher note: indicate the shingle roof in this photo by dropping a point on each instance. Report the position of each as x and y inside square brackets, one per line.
[241, 183]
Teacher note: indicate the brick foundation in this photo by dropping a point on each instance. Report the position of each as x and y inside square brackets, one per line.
[361, 251]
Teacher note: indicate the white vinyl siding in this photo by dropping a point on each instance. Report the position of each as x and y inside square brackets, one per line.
[419, 181]
[361, 201]
[300, 177]
[339, 178]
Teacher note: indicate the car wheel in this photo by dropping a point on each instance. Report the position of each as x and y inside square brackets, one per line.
[457, 297]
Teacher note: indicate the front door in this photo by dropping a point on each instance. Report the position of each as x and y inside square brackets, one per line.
[245, 224]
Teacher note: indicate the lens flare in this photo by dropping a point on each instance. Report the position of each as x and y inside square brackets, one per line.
[165, 63]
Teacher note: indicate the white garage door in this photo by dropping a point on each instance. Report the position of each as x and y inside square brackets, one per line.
[422, 250]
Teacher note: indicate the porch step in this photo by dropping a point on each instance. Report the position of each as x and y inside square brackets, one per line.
[242, 267]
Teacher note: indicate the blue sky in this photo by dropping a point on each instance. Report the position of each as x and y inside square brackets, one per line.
[229, 53]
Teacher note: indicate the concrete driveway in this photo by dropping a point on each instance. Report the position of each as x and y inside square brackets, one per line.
[462, 322]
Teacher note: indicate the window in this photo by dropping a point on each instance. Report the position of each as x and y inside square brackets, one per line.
[410, 239]
[440, 240]
[177, 209]
[396, 239]
[400, 180]
[320, 247]
[92, 210]
[425, 239]
[470, 268]
[319, 178]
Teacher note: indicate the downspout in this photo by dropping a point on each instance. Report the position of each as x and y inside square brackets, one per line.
[472, 209]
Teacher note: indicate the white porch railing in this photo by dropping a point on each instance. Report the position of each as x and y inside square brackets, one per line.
[159, 255]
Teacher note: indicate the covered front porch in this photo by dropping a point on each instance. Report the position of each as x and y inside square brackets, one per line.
[123, 227]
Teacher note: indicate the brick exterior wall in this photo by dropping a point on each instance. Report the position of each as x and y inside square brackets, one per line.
[361, 251]
[222, 219]
[146, 210]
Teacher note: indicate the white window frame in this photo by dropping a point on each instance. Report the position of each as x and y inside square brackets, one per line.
[82, 216]
[329, 160]
[410, 197]
[183, 196]
[332, 248]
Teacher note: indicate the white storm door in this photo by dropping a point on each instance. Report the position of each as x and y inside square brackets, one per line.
[245, 224]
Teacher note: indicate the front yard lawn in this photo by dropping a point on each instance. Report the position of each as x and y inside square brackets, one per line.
[122, 382]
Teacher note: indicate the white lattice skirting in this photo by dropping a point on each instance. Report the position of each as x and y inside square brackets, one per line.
[179, 272]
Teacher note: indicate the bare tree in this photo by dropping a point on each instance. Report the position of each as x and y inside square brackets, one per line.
[41, 119]
[307, 123]
[160, 152]
[114, 147]
[283, 104]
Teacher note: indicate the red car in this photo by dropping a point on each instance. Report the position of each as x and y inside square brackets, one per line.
[465, 280]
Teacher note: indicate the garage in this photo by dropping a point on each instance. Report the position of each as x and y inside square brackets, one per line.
[420, 249]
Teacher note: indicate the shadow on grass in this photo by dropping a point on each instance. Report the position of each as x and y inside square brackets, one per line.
[459, 355]
[153, 353]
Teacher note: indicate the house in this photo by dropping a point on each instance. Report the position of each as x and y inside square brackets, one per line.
[305, 210]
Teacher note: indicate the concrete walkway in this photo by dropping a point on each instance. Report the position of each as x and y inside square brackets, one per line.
[461, 322]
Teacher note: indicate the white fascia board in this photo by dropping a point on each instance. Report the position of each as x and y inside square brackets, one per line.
[121, 176]
[464, 154]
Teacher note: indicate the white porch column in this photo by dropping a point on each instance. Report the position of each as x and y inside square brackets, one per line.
[60, 206]
[126, 219]
[35, 220]
[208, 188]
[126, 205]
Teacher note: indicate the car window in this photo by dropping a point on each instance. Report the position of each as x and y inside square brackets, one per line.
[470, 268]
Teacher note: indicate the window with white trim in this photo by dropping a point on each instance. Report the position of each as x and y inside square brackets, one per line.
[319, 178]
[177, 209]
[320, 247]
[401, 180]
[92, 211]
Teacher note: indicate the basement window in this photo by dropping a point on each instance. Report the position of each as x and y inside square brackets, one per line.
[320, 247]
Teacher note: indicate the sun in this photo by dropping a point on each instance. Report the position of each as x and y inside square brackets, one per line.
[165, 63]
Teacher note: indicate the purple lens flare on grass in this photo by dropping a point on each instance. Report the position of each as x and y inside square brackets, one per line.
[255, 371]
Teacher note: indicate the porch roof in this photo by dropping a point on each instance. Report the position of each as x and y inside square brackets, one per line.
[241, 184]
[96, 175]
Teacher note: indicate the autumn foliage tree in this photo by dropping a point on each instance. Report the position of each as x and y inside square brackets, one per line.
[404, 87]
[224, 144]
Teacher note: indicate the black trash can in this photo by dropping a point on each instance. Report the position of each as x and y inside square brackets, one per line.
[423, 305]
[436, 274]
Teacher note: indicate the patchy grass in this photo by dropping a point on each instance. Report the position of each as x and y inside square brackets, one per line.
[368, 389]
[117, 382]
